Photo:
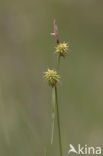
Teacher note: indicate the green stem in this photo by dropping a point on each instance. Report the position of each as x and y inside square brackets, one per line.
[53, 114]
[58, 121]
[45, 152]
[58, 63]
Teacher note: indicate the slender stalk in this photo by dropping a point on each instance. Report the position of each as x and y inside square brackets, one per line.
[53, 114]
[45, 152]
[58, 63]
[58, 121]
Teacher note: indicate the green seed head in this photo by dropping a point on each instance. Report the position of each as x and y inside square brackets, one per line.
[62, 49]
[52, 77]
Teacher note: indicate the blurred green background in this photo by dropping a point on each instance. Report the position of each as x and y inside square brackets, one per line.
[26, 51]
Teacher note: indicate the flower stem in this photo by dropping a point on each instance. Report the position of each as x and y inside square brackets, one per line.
[58, 63]
[58, 121]
[53, 114]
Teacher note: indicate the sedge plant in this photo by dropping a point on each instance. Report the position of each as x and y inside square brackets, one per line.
[53, 78]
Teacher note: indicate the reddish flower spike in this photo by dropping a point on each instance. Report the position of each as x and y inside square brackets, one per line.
[56, 34]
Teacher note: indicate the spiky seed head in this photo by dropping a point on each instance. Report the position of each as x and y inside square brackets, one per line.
[52, 77]
[62, 49]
